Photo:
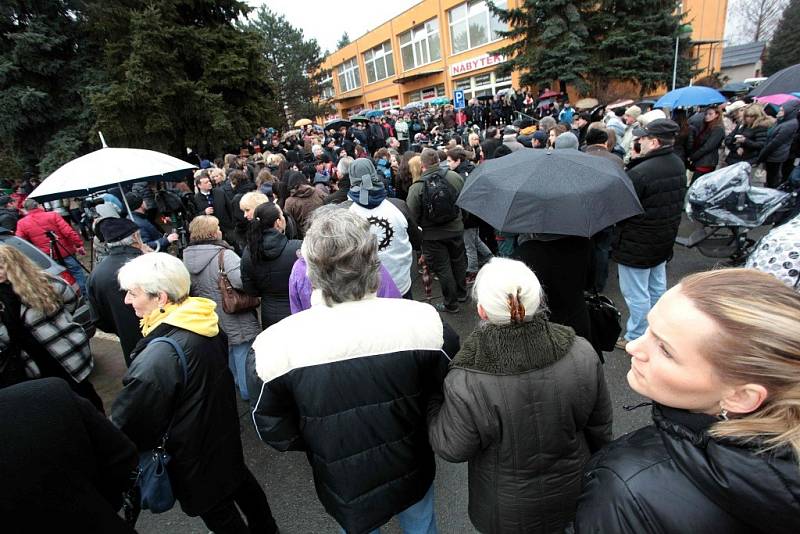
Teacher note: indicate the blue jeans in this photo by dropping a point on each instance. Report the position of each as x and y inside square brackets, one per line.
[417, 518]
[477, 251]
[75, 269]
[237, 360]
[641, 289]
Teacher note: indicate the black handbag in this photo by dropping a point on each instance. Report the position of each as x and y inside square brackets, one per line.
[605, 322]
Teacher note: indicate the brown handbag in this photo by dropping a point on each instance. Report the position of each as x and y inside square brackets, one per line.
[233, 300]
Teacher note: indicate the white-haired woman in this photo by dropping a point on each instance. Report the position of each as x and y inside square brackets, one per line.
[721, 362]
[525, 403]
[207, 471]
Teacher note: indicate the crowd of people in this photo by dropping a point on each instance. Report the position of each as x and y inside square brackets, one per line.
[324, 228]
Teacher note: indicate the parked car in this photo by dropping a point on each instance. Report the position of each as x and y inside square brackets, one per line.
[83, 312]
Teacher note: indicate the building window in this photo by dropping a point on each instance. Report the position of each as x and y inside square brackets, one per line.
[473, 25]
[386, 103]
[349, 78]
[327, 92]
[426, 94]
[482, 85]
[379, 62]
[420, 45]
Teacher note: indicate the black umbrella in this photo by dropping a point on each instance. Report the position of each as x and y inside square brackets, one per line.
[786, 81]
[734, 88]
[337, 123]
[564, 192]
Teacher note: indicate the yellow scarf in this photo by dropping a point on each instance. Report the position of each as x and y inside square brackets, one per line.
[195, 314]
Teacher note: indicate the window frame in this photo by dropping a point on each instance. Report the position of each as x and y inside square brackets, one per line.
[380, 54]
[349, 69]
[473, 8]
[420, 35]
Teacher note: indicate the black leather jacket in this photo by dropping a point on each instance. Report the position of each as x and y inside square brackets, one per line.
[672, 477]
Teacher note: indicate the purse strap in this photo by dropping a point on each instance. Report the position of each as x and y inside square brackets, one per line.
[221, 261]
[184, 366]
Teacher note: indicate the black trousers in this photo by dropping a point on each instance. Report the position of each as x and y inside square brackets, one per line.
[447, 258]
[252, 502]
[774, 174]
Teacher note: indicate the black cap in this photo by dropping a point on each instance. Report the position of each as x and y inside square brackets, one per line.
[5, 200]
[116, 229]
[134, 200]
[657, 128]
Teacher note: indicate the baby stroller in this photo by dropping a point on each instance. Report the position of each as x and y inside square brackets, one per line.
[728, 207]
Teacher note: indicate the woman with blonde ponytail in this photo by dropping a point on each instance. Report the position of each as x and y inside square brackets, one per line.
[38, 337]
[525, 403]
[721, 362]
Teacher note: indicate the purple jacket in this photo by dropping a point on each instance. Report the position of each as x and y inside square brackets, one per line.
[300, 287]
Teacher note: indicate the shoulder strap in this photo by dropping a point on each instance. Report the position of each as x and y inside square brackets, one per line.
[221, 259]
[179, 350]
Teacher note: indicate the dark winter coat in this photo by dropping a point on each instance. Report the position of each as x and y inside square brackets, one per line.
[107, 300]
[222, 210]
[526, 405]
[703, 146]
[562, 266]
[489, 146]
[268, 277]
[9, 218]
[202, 262]
[207, 464]
[239, 221]
[416, 202]
[151, 236]
[779, 139]
[672, 477]
[646, 240]
[303, 201]
[754, 139]
[339, 196]
[63, 465]
[356, 403]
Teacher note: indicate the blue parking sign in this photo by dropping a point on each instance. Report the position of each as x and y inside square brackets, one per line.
[458, 99]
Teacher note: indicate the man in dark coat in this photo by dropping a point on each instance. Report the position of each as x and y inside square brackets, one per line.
[8, 215]
[493, 140]
[643, 244]
[107, 300]
[63, 465]
[779, 142]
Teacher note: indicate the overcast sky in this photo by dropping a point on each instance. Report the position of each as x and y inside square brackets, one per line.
[326, 20]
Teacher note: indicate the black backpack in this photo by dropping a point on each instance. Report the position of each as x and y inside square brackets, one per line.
[439, 198]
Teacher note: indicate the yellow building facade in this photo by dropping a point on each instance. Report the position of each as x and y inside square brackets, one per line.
[439, 46]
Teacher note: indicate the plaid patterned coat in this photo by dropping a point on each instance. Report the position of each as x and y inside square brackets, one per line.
[63, 338]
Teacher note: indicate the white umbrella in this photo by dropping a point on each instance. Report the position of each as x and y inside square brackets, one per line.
[108, 167]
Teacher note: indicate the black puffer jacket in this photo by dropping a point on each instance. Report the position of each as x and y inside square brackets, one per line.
[673, 478]
[526, 405]
[779, 139]
[356, 403]
[646, 240]
[268, 276]
[207, 463]
[754, 139]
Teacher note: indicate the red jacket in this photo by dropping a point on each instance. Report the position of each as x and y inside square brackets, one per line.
[34, 225]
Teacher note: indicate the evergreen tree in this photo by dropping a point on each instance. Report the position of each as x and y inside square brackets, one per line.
[549, 42]
[344, 40]
[634, 40]
[784, 50]
[178, 74]
[43, 63]
[294, 67]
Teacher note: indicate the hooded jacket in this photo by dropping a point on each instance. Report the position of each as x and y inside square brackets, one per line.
[35, 225]
[268, 277]
[779, 138]
[202, 261]
[526, 405]
[356, 403]
[672, 477]
[646, 240]
[207, 464]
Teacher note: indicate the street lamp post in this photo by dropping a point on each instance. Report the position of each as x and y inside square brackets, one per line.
[683, 31]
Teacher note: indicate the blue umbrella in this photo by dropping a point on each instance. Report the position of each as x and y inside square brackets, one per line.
[374, 113]
[696, 95]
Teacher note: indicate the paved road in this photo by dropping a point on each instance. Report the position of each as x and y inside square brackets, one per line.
[287, 478]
